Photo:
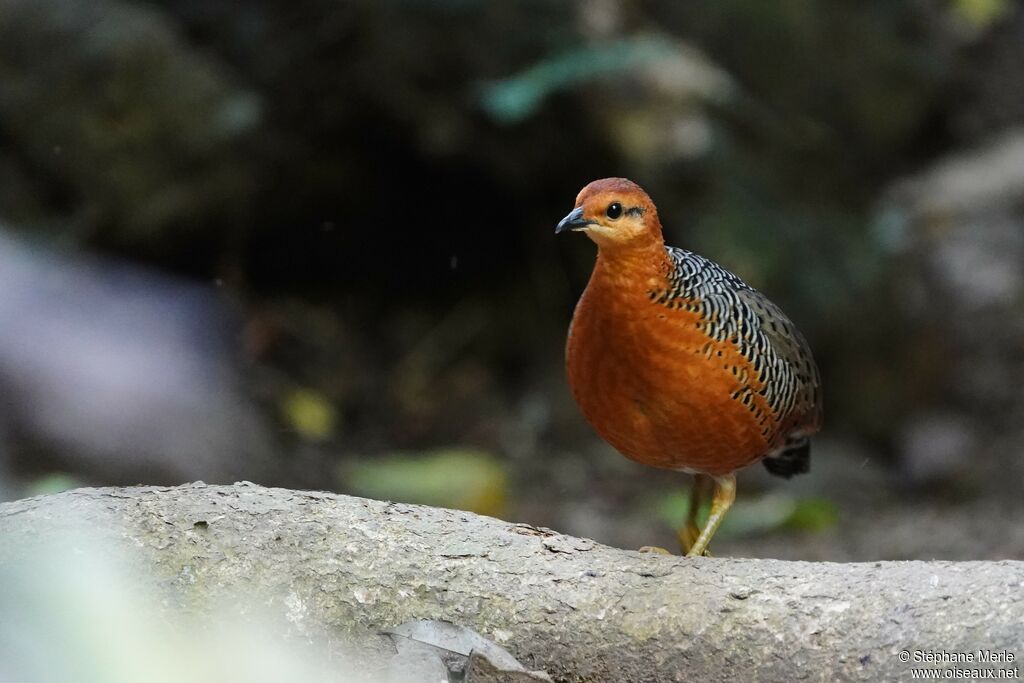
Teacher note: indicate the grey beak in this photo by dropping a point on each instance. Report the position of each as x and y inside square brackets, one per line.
[574, 221]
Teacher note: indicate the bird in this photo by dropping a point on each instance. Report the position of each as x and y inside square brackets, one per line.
[679, 364]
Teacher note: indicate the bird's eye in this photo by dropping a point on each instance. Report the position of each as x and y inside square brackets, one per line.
[614, 210]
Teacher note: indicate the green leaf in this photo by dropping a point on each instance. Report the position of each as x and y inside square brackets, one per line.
[980, 14]
[813, 514]
[772, 512]
[310, 413]
[514, 99]
[460, 478]
[54, 482]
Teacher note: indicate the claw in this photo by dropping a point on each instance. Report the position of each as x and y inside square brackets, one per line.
[654, 549]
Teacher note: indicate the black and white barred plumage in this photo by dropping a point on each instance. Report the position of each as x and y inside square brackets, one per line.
[729, 310]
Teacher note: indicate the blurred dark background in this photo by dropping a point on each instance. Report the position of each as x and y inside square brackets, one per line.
[310, 244]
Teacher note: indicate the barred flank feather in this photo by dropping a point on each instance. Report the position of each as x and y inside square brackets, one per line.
[733, 312]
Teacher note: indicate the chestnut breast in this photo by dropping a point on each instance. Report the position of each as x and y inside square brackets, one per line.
[654, 384]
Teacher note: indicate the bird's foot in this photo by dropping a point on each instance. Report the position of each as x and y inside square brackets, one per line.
[654, 549]
[661, 551]
[688, 535]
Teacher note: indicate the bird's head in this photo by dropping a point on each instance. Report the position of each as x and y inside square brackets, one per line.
[615, 213]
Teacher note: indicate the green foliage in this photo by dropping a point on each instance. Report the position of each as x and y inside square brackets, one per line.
[458, 478]
[54, 482]
[517, 97]
[772, 512]
[310, 413]
[981, 13]
[813, 514]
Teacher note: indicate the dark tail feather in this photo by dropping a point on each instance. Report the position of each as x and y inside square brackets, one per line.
[793, 458]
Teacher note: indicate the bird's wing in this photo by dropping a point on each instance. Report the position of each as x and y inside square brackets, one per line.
[797, 367]
[764, 334]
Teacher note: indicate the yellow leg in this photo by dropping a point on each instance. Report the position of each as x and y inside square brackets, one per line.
[725, 494]
[690, 532]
